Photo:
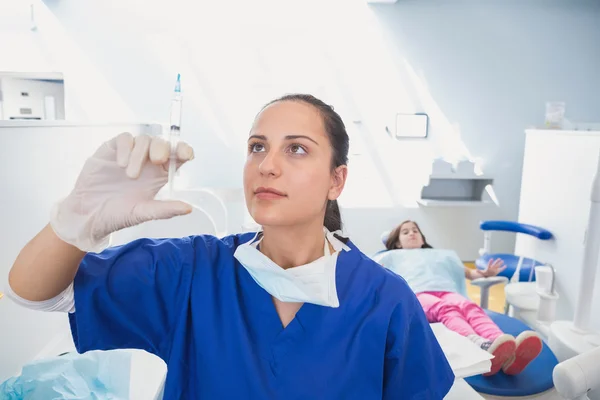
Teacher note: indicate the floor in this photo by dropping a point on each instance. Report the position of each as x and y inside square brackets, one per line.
[496, 301]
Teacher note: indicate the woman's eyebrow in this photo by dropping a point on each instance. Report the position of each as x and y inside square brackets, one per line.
[288, 137]
[293, 137]
[259, 137]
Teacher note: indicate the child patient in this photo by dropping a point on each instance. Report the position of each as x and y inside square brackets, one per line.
[435, 286]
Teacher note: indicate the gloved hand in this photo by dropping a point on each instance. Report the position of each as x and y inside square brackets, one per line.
[116, 190]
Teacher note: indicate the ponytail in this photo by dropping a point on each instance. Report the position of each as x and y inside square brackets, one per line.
[333, 218]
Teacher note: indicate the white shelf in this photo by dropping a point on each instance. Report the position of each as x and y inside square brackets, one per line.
[66, 123]
[454, 203]
[462, 186]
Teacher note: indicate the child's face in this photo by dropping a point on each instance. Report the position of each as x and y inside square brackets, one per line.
[410, 236]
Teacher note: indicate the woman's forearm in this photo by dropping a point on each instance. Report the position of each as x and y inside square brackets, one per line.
[45, 267]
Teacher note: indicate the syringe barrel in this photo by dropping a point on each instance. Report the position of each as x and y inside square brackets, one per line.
[175, 117]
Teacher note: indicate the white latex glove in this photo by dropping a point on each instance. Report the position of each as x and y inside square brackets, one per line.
[116, 190]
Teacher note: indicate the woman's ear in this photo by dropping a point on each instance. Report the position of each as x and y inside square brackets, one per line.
[338, 181]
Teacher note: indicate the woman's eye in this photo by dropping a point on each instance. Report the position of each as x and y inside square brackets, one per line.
[256, 147]
[297, 149]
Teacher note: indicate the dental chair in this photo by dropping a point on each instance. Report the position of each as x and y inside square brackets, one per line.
[522, 300]
[535, 382]
[518, 268]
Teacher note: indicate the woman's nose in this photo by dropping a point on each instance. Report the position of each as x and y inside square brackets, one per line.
[270, 165]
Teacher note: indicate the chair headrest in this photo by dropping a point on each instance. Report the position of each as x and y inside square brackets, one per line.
[384, 237]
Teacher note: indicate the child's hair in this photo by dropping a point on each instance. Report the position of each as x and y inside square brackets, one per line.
[392, 241]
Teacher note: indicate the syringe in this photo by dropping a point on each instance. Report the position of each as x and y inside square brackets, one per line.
[174, 131]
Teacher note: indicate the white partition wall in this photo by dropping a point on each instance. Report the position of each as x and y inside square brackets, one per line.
[558, 171]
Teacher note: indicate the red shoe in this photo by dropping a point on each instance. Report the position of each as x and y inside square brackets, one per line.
[503, 349]
[529, 346]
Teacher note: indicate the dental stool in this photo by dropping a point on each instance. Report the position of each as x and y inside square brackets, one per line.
[534, 380]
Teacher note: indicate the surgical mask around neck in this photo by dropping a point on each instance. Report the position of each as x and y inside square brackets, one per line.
[309, 283]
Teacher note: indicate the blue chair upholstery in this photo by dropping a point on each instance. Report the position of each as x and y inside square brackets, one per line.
[536, 378]
[511, 261]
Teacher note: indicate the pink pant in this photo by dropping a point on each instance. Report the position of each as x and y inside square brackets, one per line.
[458, 314]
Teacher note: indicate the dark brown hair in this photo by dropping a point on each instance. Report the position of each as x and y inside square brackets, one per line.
[392, 240]
[340, 144]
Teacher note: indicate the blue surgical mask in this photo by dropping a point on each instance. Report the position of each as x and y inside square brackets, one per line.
[309, 283]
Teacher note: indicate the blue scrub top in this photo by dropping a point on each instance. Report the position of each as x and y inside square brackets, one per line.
[191, 303]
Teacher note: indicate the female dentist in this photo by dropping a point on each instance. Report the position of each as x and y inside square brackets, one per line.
[292, 312]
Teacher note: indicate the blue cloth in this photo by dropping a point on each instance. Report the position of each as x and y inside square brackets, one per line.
[100, 375]
[427, 270]
[191, 303]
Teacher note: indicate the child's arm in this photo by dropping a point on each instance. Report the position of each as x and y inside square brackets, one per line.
[494, 267]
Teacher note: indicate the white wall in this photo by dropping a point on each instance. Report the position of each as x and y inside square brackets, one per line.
[19, 46]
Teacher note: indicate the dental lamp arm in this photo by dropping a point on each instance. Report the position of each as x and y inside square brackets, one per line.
[485, 284]
[574, 377]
